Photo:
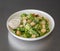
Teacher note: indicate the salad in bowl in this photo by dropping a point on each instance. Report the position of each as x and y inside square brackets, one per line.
[30, 24]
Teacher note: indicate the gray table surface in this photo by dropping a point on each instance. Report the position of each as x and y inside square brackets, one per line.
[7, 7]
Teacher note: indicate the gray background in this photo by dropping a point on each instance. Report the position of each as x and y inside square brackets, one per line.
[7, 7]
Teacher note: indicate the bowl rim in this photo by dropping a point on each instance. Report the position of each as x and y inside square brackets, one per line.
[31, 39]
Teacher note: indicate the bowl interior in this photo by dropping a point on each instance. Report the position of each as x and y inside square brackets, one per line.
[46, 15]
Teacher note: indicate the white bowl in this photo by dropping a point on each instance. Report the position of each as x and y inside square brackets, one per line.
[29, 44]
[46, 15]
